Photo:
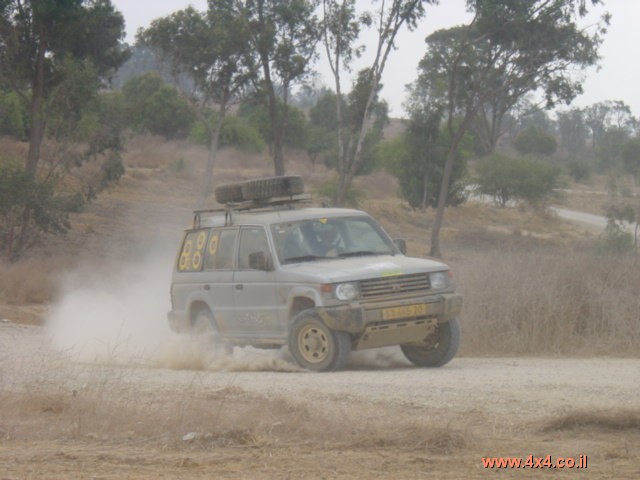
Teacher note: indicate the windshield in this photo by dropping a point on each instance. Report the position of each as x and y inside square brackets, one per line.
[322, 238]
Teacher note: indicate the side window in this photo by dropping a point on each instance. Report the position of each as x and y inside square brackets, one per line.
[220, 249]
[252, 241]
[192, 253]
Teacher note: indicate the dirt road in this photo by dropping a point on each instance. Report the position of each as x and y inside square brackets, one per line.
[256, 416]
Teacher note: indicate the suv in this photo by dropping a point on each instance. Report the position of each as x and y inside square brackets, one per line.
[265, 272]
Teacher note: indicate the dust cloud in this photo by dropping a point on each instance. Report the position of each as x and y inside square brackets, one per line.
[110, 314]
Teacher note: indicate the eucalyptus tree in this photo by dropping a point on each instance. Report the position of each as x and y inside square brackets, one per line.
[282, 37]
[210, 49]
[509, 49]
[340, 31]
[45, 43]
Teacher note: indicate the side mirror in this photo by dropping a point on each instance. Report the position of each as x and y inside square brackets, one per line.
[260, 261]
[401, 243]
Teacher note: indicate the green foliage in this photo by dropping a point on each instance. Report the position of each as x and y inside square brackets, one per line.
[320, 143]
[323, 117]
[236, 132]
[155, 107]
[610, 147]
[20, 192]
[421, 168]
[579, 170]
[256, 115]
[631, 157]
[535, 141]
[327, 192]
[573, 130]
[13, 116]
[506, 179]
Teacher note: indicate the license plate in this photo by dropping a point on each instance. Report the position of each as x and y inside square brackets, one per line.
[404, 312]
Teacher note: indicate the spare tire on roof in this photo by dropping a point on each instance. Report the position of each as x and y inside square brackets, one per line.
[229, 192]
[268, 187]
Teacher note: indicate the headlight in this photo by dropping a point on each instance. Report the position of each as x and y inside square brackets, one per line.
[346, 291]
[439, 280]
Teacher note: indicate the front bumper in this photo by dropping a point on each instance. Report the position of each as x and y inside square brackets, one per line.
[414, 318]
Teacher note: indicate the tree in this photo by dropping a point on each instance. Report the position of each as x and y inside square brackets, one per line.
[604, 115]
[211, 49]
[508, 50]
[351, 108]
[631, 157]
[282, 43]
[340, 31]
[156, 107]
[610, 147]
[573, 130]
[40, 40]
[535, 141]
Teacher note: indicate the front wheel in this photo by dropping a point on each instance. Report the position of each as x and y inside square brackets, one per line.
[315, 346]
[439, 347]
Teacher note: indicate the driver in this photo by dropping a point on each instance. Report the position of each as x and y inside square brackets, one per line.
[328, 240]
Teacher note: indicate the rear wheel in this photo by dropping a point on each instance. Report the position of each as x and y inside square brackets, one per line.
[315, 346]
[204, 328]
[438, 348]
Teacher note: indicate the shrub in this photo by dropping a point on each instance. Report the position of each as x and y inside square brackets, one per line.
[236, 132]
[535, 141]
[505, 179]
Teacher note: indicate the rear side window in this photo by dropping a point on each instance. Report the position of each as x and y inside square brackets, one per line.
[220, 250]
[192, 253]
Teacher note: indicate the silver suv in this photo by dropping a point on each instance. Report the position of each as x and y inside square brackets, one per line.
[324, 281]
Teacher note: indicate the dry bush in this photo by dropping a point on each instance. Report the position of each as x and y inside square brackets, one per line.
[549, 303]
[32, 280]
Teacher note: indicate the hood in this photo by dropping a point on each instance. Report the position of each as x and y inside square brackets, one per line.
[359, 268]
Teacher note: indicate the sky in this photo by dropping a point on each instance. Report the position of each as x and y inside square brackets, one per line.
[616, 78]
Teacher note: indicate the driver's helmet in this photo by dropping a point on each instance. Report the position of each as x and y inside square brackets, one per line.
[327, 234]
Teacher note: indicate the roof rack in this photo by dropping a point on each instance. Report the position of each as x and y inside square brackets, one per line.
[264, 204]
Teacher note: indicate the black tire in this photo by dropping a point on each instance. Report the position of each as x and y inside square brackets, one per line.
[204, 326]
[443, 346]
[315, 346]
[264, 188]
[229, 192]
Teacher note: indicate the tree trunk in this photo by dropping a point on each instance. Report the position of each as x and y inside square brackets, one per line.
[211, 159]
[444, 188]
[425, 191]
[36, 132]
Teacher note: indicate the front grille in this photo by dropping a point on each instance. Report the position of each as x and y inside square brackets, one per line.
[396, 285]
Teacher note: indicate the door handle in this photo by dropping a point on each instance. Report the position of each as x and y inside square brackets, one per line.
[239, 286]
[207, 287]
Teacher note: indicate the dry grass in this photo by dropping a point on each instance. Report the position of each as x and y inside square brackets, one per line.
[31, 280]
[598, 421]
[548, 303]
[192, 418]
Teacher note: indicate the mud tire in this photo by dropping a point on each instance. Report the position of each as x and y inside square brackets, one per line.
[445, 347]
[315, 346]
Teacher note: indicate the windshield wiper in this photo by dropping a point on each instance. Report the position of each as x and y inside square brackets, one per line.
[301, 258]
[358, 253]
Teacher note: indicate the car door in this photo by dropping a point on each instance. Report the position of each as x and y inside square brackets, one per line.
[254, 287]
[217, 276]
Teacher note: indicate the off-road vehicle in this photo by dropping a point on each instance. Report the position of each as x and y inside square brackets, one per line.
[268, 271]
